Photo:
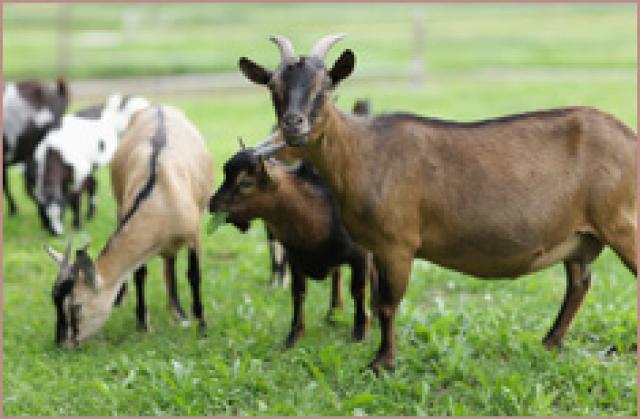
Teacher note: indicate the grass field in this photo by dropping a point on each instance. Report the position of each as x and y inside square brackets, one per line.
[466, 347]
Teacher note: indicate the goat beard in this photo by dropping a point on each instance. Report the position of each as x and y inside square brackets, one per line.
[241, 225]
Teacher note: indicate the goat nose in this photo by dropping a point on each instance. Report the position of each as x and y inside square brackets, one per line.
[292, 120]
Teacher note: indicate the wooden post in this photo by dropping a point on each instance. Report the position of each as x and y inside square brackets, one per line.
[63, 58]
[130, 22]
[417, 65]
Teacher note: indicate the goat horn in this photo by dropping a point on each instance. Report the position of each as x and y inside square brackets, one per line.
[266, 141]
[321, 47]
[268, 150]
[242, 146]
[293, 167]
[286, 49]
[55, 255]
[67, 252]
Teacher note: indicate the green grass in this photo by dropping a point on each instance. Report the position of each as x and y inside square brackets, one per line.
[458, 37]
[465, 346]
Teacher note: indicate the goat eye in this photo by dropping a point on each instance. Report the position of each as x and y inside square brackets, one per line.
[101, 146]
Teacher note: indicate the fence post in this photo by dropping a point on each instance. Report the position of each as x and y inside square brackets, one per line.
[417, 65]
[130, 22]
[63, 58]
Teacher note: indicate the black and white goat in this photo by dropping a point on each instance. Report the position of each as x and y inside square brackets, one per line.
[29, 110]
[162, 177]
[65, 161]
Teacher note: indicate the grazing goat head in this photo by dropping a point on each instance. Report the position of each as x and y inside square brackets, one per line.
[300, 86]
[80, 309]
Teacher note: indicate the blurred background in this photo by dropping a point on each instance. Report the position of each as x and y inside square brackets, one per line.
[414, 43]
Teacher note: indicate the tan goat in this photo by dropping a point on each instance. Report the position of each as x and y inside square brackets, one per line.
[162, 178]
[495, 198]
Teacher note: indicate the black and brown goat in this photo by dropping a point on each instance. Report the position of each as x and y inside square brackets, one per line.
[162, 177]
[278, 254]
[495, 198]
[299, 210]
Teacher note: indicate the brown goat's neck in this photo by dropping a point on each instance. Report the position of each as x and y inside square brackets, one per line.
[123, 253]
[338, 143]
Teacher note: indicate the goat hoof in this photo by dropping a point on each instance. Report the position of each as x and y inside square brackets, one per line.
[143, 327]
[380, 364]
[293, 338]
[55, 233]
[359, 333]
[277, 283]
[330, 318]
[551, 343]
[202, 329]
[179, 315]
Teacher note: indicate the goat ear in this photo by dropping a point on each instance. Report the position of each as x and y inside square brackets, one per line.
[242, 144]
[55, 255]
[254, 72]
[362, 107]
[343, 67]
[269, 170]
[85, 264]
[265, 171]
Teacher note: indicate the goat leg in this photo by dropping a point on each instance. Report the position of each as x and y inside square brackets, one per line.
[358, 285]
[336, 294]
[278, 260]
[142, 317]
[173, 300]
[91, 186]
[392, 282]
[74, 203]
[13, 210]
[578, 282]
[298, 293]
[285, 269]
[121, 294]
[193, 273]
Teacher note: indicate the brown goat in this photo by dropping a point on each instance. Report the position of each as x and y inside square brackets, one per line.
[495, 198]
[162, 178]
